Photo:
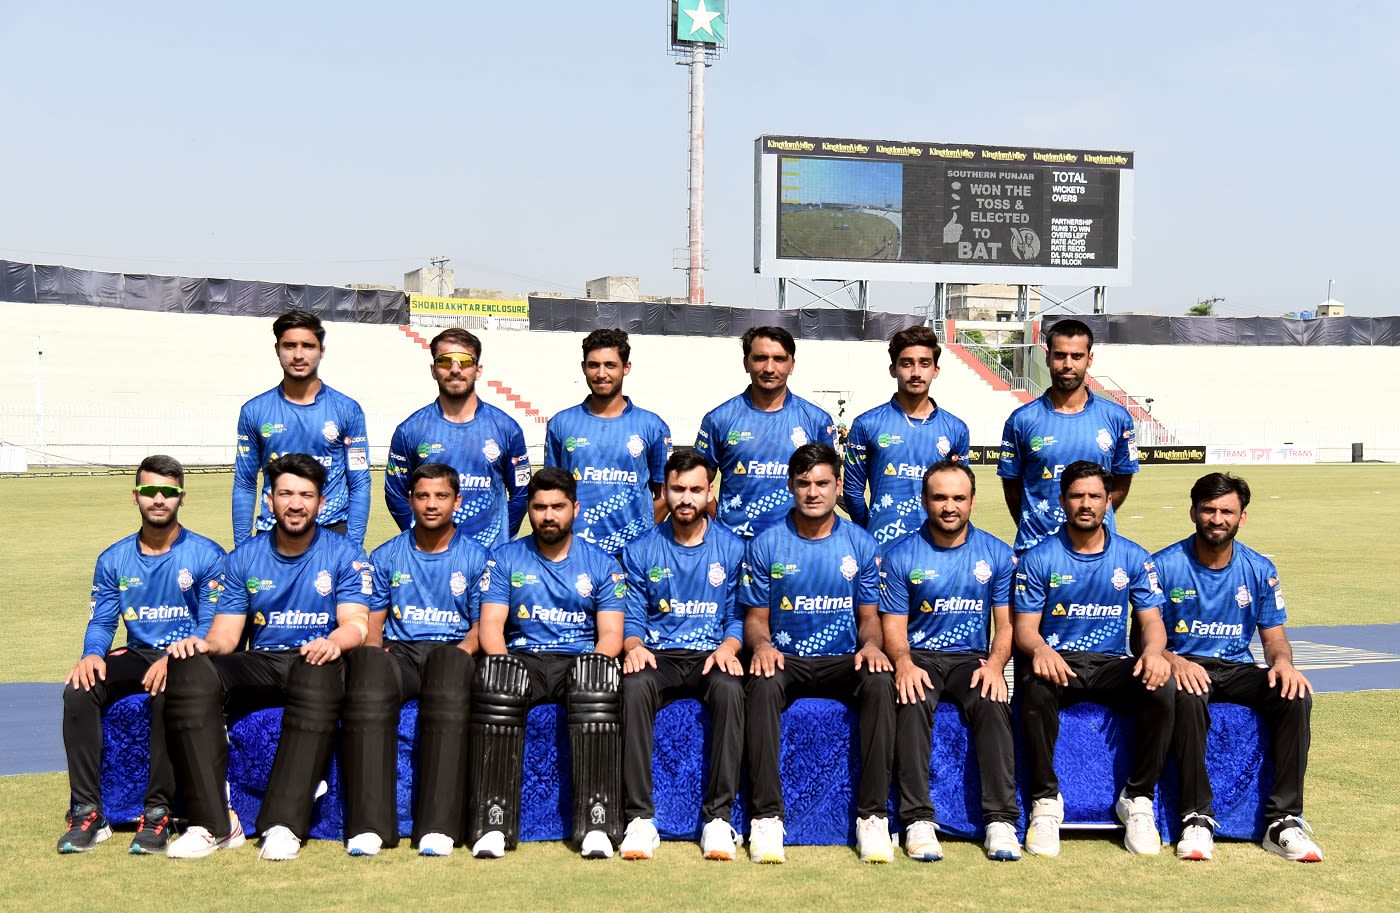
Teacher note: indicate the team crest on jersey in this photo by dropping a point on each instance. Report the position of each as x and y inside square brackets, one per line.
[1104, 440]
[185, 578]
[982, 572]
[1120, 578]
[635, 446]
[1242, 598]
[323, 582]
[799, 437]
[584, 585]
[491, 450]
[716, 575]
[849, 567]
[330, 431]
[458, 583]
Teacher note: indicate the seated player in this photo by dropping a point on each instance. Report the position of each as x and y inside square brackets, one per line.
[1073, 594]
[422, 634]
[1219, 592]
[810, 594]
[551, 629]
[162, 582]
[941, 592]
[299, 594]
[682, 637]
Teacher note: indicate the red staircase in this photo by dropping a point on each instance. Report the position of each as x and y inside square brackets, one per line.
[509, 395]
[984, 372]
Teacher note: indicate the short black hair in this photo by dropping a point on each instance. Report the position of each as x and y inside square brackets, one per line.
[458, 336]
[1069, 328]
[1084, 469]
[299, 465]
[299, 320]
[914, 336]
[1218, 484]
[435, 471]
[810, 456]
[779, 335]
[158, 464]
[552, 478]
[950, 466]
[608, 339]
[687, 459]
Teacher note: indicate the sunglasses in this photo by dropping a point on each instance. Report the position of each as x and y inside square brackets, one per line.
[150, 491]
[447, 359]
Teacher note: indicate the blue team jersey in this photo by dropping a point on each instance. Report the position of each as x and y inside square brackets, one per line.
[160, 598]
[1038, 443]
[427, 595]
[681, 597]
[751, 448]
[890, 451]
[288, 602]
[492, 466]
[948, 593]
[615, 461]
[1083, 600]
[1215, 612]
[553, 605]
[812, 587]
[331, 429]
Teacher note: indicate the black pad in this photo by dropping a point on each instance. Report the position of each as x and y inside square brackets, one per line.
[368, 743]
[595, 746]
[499, 703]
[440, 801]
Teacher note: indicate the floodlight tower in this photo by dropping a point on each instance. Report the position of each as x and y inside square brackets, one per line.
[697, 34]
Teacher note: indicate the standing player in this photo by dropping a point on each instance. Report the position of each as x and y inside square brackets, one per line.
[614, 450]
[1219, 592]
[300, 597]
[1073, 593]
[422, 634]
[811, 593]
[682, 637]
[480, 441]
[750, 437]
[942, 593]
[551, 629]
[1066, 424]
[302, 415]
[890, 446]
[162, 582]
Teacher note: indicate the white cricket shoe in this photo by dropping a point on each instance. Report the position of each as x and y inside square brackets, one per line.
[1140, 837]
[873, 839]
[719, 841]
[641, 839]
[491, 845]
[366, 844]
[921, 842]
[596, 845]
[1043, 833]
[196, 842]
[279, 844]
[1001, 843]
[1197, 838]
[766, 841]
[1291, 838]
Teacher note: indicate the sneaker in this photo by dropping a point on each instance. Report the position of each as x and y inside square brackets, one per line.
[152, 833]
[1291, 838]
[641, 839]
[719, 841]
[1043, 833]
[492, 845]
[197, 842]
[1001, 843]
[366, 844]
[1141, 837]
[1197, 838]
[873, 839]
[279, 844]
[87, 827]
[766, 841]
[921, 842]
[596, 845]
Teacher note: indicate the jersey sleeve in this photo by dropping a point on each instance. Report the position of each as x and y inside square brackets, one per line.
[1028, 598]
[396, 472]
[610, 593]
[706, 439]
[1145, 588]
[754, 585]
[961, 440]
[634, 569]
[210, 581]
[894, 592]
[1269, 594]
[1004, 576]
[106, 609]
[553, 444]
[660, 451]
[474, 590]
[857, 473]
[515, 467]
[357, 476]
[734, 618]
[234, 598]
[497, 578]
[354, 579]
[247, 461]
[380, 581]
[868, 585]
[1009, 462]
[823, 430]
[1125, 455]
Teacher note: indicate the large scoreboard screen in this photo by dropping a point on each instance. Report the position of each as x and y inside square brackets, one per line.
[938, 212]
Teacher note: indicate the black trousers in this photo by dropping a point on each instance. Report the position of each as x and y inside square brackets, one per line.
[82, 729]
[203, 691]
[678, 674]
[871, 695]
[379, 681]
[951, 674]
[1107, 679]
[1290, 735]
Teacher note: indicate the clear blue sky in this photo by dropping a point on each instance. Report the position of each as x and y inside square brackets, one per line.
[542, 144]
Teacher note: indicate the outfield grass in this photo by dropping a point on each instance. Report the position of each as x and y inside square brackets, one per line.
[814, 233]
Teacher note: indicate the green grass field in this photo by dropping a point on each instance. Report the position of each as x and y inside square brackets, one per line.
[818, 233]
[1328, 528]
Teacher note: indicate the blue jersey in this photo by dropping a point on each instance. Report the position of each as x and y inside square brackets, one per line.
[427, 595]
[160, 598]
[615, 461]
[1213, 612]
[553, 604]
[288, 602]
[812, 587]
[948, 593]
[492, 466]
[1038, 443]
[890, 451]
[751, 448]
[1083, 600]
[331, 429]
[681, 597]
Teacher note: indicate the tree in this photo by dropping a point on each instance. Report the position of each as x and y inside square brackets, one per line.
[1204, 307]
